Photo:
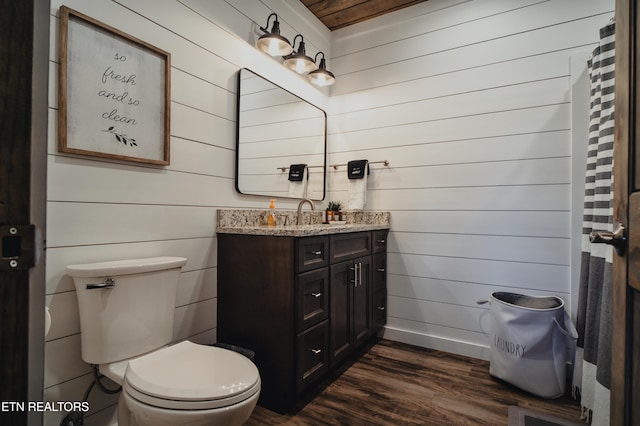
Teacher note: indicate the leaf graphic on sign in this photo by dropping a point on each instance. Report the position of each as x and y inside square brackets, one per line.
[121, 137]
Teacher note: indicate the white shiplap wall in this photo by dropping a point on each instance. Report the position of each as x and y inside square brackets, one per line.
[469, 100]
[100, 210]
[470, 103]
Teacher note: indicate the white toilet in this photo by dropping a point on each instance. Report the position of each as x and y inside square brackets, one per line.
[126, 318]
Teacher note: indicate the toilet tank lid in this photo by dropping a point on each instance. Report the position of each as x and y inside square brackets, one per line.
[125, 267]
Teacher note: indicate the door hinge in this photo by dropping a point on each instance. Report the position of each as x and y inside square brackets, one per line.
[18, 250]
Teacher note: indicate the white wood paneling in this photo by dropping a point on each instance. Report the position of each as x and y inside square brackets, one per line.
[468, 100]
[446, 339]
[197, 285]
[65, 318]
[73, 390]
[471, 106]
[101, 182]
[436, 313]
[535, 19]
[431, 16]
[547, 118]
[542, 171]
[519, 198]
[63, 360]
[521, 45]
[90, 223]
[473, 222]
[201, 253]
[513, 275]
[500, 74]
[553, 251]
[526, 95]
[110, 210]
[198, 125]
[201, 94]
[449, 292]
[195, 318]
[549, 144]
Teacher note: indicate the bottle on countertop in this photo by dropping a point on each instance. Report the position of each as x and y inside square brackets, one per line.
[271, 218]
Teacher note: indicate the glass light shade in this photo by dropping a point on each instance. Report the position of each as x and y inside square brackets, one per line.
[274, 45]
[299, 63]
[321, 76]
[272, 42]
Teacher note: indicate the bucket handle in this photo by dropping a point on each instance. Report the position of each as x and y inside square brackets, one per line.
[571, 333]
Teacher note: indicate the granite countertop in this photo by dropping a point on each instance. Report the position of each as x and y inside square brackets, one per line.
[299, 230]
[253, 222]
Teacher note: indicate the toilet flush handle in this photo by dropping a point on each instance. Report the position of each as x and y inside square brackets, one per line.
[108, 283]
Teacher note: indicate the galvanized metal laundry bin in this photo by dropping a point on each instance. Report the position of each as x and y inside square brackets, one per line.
[530, 338]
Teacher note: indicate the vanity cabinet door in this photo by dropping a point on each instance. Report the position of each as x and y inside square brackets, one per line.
[342, 282]
[313, 355]
[312, 298]
[350, 306]
[361, 300]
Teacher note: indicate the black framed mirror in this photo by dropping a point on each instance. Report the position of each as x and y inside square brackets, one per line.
[277, 129]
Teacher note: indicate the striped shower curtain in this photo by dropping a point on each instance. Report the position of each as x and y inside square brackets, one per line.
[592, 370]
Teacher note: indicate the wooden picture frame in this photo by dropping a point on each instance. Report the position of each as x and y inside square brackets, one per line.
[114, 93]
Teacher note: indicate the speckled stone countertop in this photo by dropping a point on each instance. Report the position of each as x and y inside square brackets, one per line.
[254, 222]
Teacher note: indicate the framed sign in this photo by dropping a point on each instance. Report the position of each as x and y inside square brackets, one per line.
[114, 93]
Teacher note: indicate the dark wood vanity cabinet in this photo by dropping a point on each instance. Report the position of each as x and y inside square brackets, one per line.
[302, 304]
[379, 280]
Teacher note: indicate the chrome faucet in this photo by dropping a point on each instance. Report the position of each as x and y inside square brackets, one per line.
[299, 216]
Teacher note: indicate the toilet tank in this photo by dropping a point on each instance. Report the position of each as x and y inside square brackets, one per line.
[126, 307]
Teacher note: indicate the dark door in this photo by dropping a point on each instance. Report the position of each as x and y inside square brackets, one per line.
[625, 380]
[24, 41]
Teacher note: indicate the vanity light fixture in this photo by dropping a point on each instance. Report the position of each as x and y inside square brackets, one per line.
[298, 61]
[272, 42]
[321, 76]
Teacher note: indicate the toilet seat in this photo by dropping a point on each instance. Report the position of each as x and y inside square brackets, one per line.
[188, 376]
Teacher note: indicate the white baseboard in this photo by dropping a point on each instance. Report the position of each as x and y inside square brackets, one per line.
[472, 350]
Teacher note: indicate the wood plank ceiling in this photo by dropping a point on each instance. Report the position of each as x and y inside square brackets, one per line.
[342, 13]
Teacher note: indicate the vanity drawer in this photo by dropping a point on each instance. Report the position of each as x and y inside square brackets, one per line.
[312, 298]
[379, 310]
[312, 253]
[379, 241]
[312, 355]
[379, 278]
[349, 246]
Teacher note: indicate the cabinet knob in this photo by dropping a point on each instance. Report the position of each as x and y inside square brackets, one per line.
[316, 295]
[381, 269]
[382, 241]
[317, 252]
[316, 351]
[381, 308]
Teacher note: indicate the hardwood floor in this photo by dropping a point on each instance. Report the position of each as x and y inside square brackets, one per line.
[393, 383]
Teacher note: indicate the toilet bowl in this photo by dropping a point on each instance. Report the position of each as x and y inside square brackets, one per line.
[126, 320]
[185, 384]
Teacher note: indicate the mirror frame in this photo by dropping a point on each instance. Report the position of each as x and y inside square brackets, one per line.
[238, 141]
